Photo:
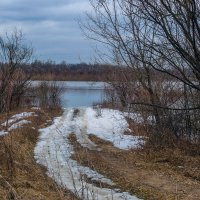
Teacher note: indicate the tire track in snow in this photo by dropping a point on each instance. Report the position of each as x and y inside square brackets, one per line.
[83, 138]
[54, 151]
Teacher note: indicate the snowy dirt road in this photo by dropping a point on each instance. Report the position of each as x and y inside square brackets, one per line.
[54, 150]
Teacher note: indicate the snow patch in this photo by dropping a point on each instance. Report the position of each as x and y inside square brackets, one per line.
[110, 126]
[2, 133]
[17, 117]
[18, 125]
[54, 151]
[16, 121]
[136, 117]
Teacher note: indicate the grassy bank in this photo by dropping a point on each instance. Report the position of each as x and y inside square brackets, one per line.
[164, 174]
[167, 174]
[20, 176]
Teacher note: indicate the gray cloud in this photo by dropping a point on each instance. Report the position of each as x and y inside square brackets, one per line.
[51, 26]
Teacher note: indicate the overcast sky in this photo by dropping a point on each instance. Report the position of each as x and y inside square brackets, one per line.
[50, 26]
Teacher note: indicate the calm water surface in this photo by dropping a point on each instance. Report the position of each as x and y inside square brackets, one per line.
[82, 94]
[79, 93]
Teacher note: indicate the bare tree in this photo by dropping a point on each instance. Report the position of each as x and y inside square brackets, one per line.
[154, 38]
[13, 53]
[176, 37]
[48, 94]
[114, 24]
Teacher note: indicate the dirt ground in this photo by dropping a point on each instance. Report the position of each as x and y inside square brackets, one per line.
[167, 174]
[21, 177]
[164, 175]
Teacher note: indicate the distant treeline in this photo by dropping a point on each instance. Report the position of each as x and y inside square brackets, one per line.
[80, 72]
[72, 72]
[39, 70]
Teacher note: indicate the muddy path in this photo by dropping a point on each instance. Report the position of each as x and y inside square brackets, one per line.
[54, 151]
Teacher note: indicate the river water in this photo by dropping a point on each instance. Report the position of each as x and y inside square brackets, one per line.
[79, 93]
[54, 150]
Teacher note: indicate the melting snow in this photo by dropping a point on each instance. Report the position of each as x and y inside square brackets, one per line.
[134, 116]
[54, 151]
[110, 126]
[3, 133]
[18, 124]
[16, 121]
[17, 117]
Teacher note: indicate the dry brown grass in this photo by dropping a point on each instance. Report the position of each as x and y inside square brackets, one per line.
[151, 175]
[20, 176]
[165, 174]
